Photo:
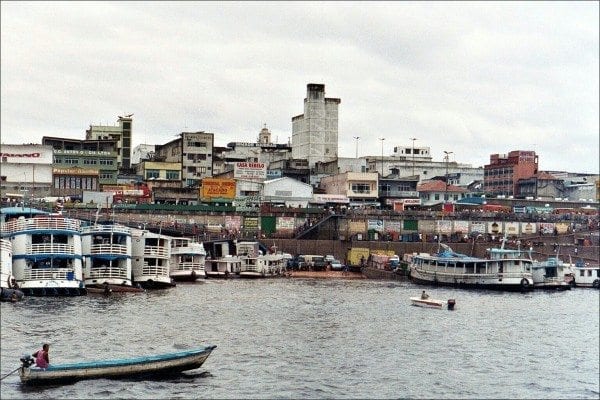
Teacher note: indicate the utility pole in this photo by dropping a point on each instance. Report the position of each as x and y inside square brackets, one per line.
[413, 155]
[447, 157]
[356, 138]
[382, 139]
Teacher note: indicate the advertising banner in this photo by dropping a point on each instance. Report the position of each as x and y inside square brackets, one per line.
[393, 226]
[546, 228]
[217, 189]
[233, 222]
[444, 226]
[285, 224]
[478, 226]
[461, 226]
[250, 170]
[528, 228]
[375, 225]
[494, 228]
[251, 223]
[511, 228]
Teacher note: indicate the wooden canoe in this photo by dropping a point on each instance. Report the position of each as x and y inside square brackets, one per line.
[138, 367]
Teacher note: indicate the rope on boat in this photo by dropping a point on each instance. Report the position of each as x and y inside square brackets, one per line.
[10, 373]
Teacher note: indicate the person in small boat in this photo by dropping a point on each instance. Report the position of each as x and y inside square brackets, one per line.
[424, 296]
[42, 358]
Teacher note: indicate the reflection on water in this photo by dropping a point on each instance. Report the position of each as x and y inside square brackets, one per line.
[302, 338]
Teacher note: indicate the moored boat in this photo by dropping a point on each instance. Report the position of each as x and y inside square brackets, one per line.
[505, 269]
[151, 256]
[224, 267]
[585, 275]
[147, 366]
[107, 254]
[188, 259]
[551, 274]
[47, 257]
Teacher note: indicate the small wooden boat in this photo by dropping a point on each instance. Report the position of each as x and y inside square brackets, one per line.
[433, 303]
[138, 367]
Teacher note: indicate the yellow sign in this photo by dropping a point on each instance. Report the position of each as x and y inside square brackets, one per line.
[217, 188]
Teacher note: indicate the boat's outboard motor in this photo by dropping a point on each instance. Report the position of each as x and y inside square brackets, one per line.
[27, 360]
[451, 303]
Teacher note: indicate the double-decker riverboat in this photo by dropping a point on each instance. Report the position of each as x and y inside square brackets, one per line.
[188, 259]
[504, 269]
[151, 258]
[47, 257]
[107, 254]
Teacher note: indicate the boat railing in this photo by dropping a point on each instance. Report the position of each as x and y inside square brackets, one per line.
[250, 268]
[188, 266]
[119, 249]
[107, 229]
[50, 248]
[156, 252]
[39, 274]
[155, 270]
[33, 224]
[108, 272]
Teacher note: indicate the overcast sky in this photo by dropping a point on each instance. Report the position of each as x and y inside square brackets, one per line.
[471, 78]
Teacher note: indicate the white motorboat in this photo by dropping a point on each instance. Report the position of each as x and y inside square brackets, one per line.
[433, 303]
[223, 267]
[552, 274]
[585, 275]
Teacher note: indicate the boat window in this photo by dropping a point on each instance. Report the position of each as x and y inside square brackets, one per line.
[582, 273]
[589, 272]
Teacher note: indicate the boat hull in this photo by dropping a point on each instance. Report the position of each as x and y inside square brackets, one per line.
[428, 303]
[151, 366]
[516, 286]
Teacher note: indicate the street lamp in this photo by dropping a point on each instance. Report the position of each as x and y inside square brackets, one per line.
[413, 155]
[447, 158]
[382, 139]
[356, 138]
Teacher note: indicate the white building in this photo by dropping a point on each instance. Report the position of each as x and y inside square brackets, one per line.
[142, 152]
[315, 133]
[287, 191]
[359, 187]
[26, 170]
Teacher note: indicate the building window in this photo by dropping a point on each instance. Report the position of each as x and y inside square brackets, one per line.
[152, 173]
[363, 188]
[173, 175]
[72, 161]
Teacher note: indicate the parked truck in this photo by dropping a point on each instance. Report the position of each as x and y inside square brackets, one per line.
[356, 258]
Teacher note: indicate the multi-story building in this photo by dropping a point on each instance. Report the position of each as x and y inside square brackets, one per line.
[194, 150]
[264, 150]
[438, 192]
[359, 187]
[25, 171]
[315, 133]
[121, 133]
[501, 175]
[82, 164]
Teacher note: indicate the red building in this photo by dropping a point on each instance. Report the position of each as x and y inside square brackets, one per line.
[501, 175]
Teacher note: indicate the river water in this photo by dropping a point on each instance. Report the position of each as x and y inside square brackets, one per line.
[313, 339]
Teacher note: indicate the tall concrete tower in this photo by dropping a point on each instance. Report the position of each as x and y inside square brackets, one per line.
[315, 133]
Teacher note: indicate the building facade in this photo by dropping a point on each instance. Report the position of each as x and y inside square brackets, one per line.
[121, 133]
[25, 171]
[315, 133]
[502, 174]
[194, 150]
[359, 187]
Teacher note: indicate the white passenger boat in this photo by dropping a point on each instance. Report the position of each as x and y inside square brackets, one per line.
[505, 269]
[253, 267]
[585, 275]
[224, 267]
[276, 264]
[107, 254]
[432, 303]
[47, 257]
[6, 275]
[151, 257]
[188, 259]
[552, 274]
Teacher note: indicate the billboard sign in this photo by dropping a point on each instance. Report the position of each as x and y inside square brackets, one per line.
[213, 188]
[250, 170]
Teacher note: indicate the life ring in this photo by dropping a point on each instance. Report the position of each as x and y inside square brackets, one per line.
[524, 283]
[596, 283]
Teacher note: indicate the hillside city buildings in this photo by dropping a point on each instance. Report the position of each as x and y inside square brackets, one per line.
[193, 169]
